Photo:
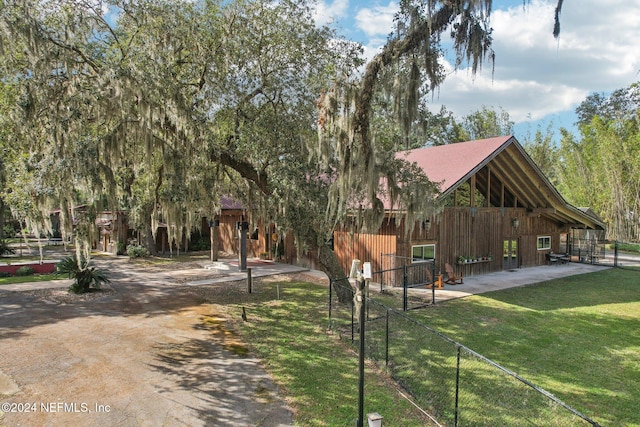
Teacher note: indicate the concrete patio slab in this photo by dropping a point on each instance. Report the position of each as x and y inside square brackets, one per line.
[259, 268]
[512, 278]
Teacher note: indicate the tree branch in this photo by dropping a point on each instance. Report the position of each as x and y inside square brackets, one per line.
[556, 25]
[391, 52]
[245, 169]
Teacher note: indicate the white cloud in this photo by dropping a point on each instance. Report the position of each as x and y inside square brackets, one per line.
[376, 21]
[537, 75]
[326, 13]
[523, 99]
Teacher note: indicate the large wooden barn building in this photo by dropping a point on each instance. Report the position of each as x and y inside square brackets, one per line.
[500, 212]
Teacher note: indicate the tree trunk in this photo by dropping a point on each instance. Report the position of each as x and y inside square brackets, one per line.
[2, 219]
[149, 241]
[330, 265]
[214, 240]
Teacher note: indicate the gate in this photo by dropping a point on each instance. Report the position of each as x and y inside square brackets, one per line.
[412, 280]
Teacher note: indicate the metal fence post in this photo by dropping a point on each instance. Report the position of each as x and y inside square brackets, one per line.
[615, 253]
[361, 300]
[386, 339]
[405, 291]
[353, 305]
[433, 282]
[330, 299]
[455, 422]
[366, 295]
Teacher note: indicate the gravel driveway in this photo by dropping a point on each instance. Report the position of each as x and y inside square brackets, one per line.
[146, 352]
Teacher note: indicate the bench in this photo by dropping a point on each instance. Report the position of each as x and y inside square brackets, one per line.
[453, 278]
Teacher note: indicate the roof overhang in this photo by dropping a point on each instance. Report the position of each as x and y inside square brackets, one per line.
[502, 160]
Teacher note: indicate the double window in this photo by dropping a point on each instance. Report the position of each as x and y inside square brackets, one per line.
[544, 242]
[421, 253]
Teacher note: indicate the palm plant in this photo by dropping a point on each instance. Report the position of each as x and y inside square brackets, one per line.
[84, 276]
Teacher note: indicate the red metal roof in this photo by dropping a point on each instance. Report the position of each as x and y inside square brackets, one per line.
[448, 164]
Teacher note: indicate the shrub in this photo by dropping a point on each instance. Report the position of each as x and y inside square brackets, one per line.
[629, 247]
[84, 276]
[278, 250]
[5, 249]
[122, 248]
[5, 274]
[9, 230]
[200, 243]
[25, 271]
[137, 251]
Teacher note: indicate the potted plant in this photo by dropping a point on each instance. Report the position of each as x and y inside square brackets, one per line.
[461, 259]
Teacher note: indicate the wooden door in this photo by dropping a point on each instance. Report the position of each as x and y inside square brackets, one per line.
[510, 253]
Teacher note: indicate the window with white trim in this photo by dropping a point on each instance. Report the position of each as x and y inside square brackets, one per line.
[421, 253]
[544, 242]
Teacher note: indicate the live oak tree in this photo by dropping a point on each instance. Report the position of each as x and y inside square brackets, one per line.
[161, 107]
[5, 99]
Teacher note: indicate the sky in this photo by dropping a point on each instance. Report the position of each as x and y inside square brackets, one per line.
[538, 80]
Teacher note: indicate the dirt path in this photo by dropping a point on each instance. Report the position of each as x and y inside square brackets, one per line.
[148, 353]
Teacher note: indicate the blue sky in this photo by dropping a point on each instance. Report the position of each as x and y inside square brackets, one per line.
[538, 80]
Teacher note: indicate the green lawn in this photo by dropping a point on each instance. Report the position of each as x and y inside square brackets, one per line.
[317, 370]
[576, 337]
[33, 278]
[14, 259]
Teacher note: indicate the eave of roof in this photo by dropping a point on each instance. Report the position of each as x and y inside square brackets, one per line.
[453, 164]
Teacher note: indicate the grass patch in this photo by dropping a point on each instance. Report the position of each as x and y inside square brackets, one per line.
[13, 240]
[27, 279]
[14, 259]
[627, 247]
[317, 371]
[576, 337]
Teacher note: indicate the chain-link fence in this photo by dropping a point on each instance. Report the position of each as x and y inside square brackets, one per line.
[403, 286]
[454, 384]
[590, 250]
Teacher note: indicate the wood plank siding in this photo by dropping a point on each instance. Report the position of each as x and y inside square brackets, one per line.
[478, 232]
[365, 247]
[228, 236]
[457, 231]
